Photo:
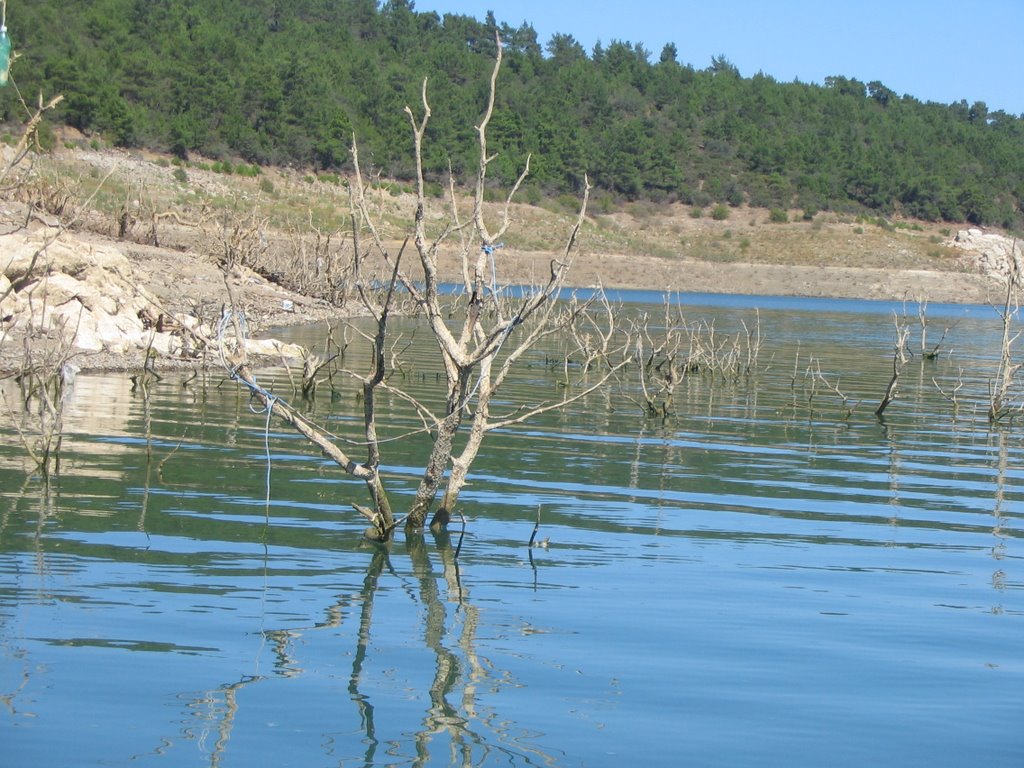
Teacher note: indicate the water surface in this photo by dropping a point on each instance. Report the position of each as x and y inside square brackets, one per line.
[770, 576]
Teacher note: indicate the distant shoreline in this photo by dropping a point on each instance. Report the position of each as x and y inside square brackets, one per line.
[682, 275]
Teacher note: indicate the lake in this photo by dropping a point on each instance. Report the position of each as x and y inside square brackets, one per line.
[771, 575]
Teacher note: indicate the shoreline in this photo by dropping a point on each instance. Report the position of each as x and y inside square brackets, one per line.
[687, 275]
[85, 271]
[182, 282]
[773, 282]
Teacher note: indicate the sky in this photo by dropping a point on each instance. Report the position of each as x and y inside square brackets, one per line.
[933, 50]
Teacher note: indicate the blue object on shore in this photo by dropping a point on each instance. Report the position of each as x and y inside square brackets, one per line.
[5, 55]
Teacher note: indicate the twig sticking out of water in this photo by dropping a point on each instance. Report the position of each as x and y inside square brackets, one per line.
[933, 353]
[899, 359]
[543, 543]
[952, 394]
[834, 388]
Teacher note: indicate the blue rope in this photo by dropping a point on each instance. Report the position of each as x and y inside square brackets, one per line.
[270, 399]
[489, 250]
[266, 445]
[255, 390]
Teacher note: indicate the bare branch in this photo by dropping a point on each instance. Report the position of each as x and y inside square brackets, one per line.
[481, 130]
[899, 359]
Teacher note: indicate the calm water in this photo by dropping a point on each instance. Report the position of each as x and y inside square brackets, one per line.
[761, 579]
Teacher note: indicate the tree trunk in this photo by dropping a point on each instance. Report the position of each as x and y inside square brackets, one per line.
[433, 474]
[461, 463]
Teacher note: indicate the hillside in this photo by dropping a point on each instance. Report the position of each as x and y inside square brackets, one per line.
[289, 83]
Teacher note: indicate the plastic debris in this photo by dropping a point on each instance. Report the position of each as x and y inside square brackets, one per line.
[5, 55]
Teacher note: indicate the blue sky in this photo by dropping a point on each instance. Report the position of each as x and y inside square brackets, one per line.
[935, 50]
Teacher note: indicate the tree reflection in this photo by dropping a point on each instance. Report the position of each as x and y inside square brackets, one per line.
[895, 469]
[46, 509]
[223, 714]
[999, 513]
[363, 704]
[455, 728]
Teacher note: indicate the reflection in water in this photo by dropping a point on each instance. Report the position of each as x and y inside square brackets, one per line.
[452, 709]
[219, 707]
[79, 417]
[18, 656]
[894, 469]
[999, 515]
[142, 385]
[11, 651]
[363, 704]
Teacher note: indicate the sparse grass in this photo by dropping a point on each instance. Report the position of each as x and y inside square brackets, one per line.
[289, 201]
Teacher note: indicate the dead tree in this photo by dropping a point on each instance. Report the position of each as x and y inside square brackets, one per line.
[45, 371]
[480, 335]
[833, 387]
[1001, 401]
[661, 363]
[933, 352]
[672, 349]
[30, 136]
[899, 359]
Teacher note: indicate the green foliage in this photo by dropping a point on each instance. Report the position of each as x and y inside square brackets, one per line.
[720, 212]
[778, 216]
[291, 83]
[46, 137]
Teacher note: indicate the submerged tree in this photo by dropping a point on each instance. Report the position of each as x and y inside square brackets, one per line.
[1002, 403]
[481, 334]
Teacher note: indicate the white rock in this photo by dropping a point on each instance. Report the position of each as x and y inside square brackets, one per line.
[988, 252]
[164, 344]
[273, 348]
[87, 293]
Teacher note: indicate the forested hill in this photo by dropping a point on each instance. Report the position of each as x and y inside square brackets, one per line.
[288, 81]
